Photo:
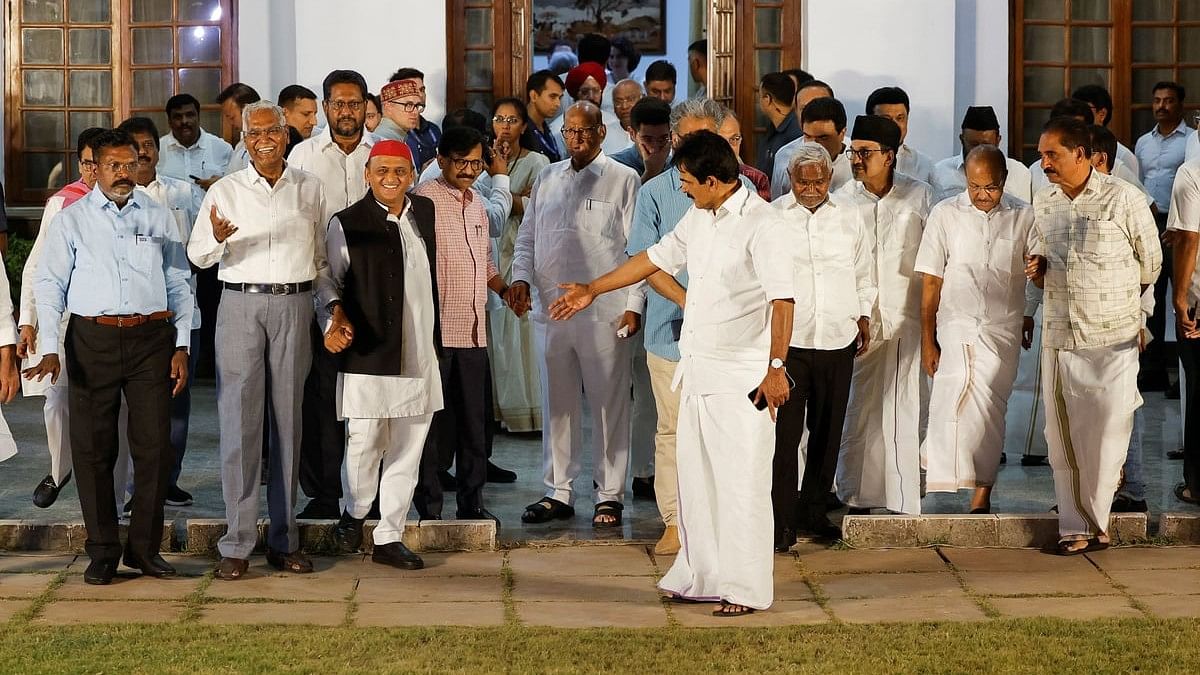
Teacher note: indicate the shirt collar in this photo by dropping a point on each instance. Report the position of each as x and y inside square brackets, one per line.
[596, 166]
[736, 203]
[253, 176]
[325, 140]
[461, 196]
[1180, 130]
[101, 201]
[202, 142]
[403, 209]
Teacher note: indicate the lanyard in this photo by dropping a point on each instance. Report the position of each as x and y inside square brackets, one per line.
[547, 141]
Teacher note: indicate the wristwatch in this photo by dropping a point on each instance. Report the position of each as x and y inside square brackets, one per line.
[777, 362]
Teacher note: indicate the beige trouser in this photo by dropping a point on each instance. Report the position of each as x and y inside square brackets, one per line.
[666, 479]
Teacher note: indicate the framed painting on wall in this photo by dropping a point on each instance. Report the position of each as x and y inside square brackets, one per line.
[642, 21]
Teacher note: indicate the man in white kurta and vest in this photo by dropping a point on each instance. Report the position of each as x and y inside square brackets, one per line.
[1097, 250]
[972, 262]
[576, 225]
[384, 326]
[879, 462]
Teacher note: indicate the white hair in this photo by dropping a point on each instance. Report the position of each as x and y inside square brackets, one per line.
[264, 104]
[811, 153]
[630, 80]
[699, 108]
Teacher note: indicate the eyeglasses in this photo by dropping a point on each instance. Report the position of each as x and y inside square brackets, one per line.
[255, 134]
[580, 132]
[408, 106]
[736, 138]
[863, 154]
[88, 163]
[474, 164]
[339, 106]
[990, 189]
[810, 184]
[118, 167]
[654, 140]
[509, 121]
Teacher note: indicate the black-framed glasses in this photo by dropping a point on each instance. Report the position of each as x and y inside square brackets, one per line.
[865, 153]
[474, 164]
[580, 132]
[408, 106]
[509, 120]
[118, 167]
[339, 106]
[255, 134]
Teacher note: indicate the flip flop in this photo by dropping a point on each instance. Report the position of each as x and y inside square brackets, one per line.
[720, 611]
[609, 508]
[680, 600]
[547, 509]
[1094, 544]
[1063, 548]
[1190, 498]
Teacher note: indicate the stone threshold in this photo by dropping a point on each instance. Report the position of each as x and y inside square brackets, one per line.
[1002, 530]
[200, 536]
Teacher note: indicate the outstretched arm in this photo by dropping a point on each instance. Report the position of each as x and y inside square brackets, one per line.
[579, 296]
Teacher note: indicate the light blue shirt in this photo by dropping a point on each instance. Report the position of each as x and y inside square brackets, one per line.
[660, 205]
[101, 260]
[209, 156]
[1159, 158]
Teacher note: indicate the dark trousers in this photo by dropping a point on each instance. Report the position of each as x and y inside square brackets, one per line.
[822, 391]
[323, 444]
[460, 432]
[181, 412]
[102, 363]
[1155, 359]
[1189, 355]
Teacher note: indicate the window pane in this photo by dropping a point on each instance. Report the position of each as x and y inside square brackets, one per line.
[90, 46]
[42, 87]
[767, 61]
[1189, 44]
[479, 69]
[91, 88]
[147, 11]
[1044, 9]
[1190, 78]
[1029, 156]
[200, 44]
[44, 129]
[42, 45]
[1090, 10]
[152, 88]
[1153, 10]
[1043, 85]
[1153, 45]
[35, 11]
[480, 102]
[479, 27]
[1143, 120]
[90, 11]
[1032, 123]
[1189, 10]
[158, 116]
[203, 83]
[1144, 80]
[85, 120]
[1044, 43]
[152, 45]
[1081, 76]
[1089, 45]
[199, 10]
[45, 170]
[210, 121]
[767, 25]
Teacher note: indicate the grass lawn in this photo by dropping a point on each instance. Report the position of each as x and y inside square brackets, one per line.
[1033, 645]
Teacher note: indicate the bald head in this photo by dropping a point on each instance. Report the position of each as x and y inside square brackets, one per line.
[986, 170]
[988, 158]
[586, 112]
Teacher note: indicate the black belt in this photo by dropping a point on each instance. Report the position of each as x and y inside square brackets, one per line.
[269, 289]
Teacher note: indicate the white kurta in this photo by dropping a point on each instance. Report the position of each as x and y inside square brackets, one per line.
[980, 258]
[738, 260]
[879, 461]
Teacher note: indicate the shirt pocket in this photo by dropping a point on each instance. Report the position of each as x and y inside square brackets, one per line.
[1103, 241]
[1006, 258]
[146, 253]
[597, 220]
[835, 249]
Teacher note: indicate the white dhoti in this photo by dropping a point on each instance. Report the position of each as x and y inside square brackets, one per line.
[879, 465]
[584, 358]
[395, 443]
[968, 402]
[725, 452]
[1091, 396]
[514, 360]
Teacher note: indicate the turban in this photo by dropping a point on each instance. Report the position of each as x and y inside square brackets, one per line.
[875, 128]
[394, 90]
[390, 148]
[981, 118]
[581, 72]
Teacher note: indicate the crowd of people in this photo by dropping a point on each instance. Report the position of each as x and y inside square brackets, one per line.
[840, 320]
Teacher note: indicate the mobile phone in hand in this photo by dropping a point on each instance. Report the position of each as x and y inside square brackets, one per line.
[762, 403]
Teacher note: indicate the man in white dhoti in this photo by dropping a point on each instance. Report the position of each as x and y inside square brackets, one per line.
[736, 326]
[1097, 250]
[879, 461]
[972, 262]
[576, 224]
[384, 325]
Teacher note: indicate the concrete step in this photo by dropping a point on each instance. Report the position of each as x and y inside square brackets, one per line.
[1000, 530]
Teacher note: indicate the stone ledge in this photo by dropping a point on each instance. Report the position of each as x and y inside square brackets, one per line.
[994, 530]
[25, 535]
[1182, 528]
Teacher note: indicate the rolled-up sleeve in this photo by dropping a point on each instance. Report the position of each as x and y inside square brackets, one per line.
[670, 253]
[203, 249]
[178, 275]
[1144, 234]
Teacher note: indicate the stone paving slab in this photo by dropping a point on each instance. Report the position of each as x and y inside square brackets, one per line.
[1072, 582]
[1086, 609]
[593, 614]
[35, 563]
[1173, 606]
[283, 587]
[1158, 582]
[1013, 560]
[433, 589]
[528, 588]
[829, 561]
[128, 587]
[1147, 558]
[430, 614]
[883, 610]
[23, 585]
[890, 585]
[581, 561]
[782, 613]
[8, 608]
[316, 613]
[441, 565]
[66, 612]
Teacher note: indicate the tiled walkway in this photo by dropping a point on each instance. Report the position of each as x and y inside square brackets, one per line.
[585, 586]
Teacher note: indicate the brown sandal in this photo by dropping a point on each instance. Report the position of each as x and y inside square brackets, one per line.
[294, 562]
[231, 569]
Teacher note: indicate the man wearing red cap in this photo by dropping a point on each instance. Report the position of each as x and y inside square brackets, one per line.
[383, 322]
[586, 82]
[403, 104]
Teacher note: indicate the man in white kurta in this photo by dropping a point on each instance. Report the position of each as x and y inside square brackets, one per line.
[980, 126]
[1098, 249]
[576, 224]
[879, 460]
[736, 326]
[972, 257]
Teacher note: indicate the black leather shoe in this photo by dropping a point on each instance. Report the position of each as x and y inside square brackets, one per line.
[1035, 460]
[153, 566]
[1003, 458]
[1175, 454]
[479, 513]
[785, 539]
[396, 554]
[449, 482]
[497, 475]
[348, 534]
[643, 488]
[832, 503]
[1126, 504]
[858, 511]
[100, 572]
[317, 509]
[820, 528]
[178, 497]
[45, 494]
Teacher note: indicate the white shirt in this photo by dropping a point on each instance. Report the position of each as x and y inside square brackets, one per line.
[341, 174]
[739, 260]
[949, 179]
[834, 272]
[981, 259]
[1126, 157]
[281, 231]
[418, 389]
[208, 157]
[181, 199]
[616, 138]
[238, 159]
[914, 163]
[575, 229]
[1185, 214]
[494, 191]
[894, 224]
[781, 182]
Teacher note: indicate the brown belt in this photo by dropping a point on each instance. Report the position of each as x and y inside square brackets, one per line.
[129, 320]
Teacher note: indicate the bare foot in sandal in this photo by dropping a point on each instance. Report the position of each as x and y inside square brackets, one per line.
[730, 609]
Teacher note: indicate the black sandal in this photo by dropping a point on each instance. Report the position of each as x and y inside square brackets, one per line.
[609, 508]
[1190, 498]
[547, 509]
[720, 611]
[677, 599]
[1063, 547]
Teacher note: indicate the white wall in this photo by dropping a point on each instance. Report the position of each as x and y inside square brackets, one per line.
[981, 56]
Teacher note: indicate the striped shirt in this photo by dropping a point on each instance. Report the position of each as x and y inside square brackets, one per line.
[464, 262]
[1100, 248]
